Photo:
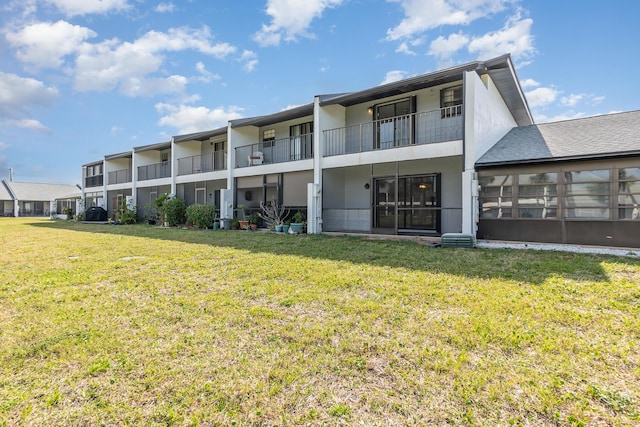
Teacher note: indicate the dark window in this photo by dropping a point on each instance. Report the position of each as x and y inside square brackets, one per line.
[268, 138]
[451, 101]
[496, 196]
[629, 194]
[538, 195]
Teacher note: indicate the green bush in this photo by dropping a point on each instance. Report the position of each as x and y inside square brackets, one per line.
[126, 215]
[68, 212]
[201, 216]
[174, 211]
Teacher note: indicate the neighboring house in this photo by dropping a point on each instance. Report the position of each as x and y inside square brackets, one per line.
[6, 201]
[575, 181]
[37, 199]
[399, 158]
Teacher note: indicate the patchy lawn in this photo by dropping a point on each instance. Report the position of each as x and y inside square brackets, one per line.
[136, 325]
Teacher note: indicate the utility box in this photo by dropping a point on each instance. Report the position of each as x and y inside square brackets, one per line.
[457, 240]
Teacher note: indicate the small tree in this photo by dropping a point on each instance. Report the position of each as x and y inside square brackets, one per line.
[272, 213]
[159, 204]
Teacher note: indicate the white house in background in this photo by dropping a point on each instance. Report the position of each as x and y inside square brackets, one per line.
[22, 199]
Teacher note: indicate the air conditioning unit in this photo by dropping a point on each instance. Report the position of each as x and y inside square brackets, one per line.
[457, 240]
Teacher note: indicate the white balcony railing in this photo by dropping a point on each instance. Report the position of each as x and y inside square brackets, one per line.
[205, 162]
[426, 127]
[278, 151]
[119, 177]
[154, 171]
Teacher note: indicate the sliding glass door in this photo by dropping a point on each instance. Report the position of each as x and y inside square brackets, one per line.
[406, 204]
[394, 123]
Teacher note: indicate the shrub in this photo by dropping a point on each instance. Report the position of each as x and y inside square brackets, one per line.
[174, 211]
[126, 215]
[68, 212]
[201, 216]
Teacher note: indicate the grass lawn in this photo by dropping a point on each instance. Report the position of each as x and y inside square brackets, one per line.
[136, 325]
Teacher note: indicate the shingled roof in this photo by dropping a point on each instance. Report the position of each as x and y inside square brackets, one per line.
[611, 135]
[31, 191]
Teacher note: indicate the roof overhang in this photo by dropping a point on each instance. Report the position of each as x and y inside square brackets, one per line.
[401, 87]
[153, 147]
[282, 116]
[99, 162]
[576, 158]
[503, 74]
[201, 136]
[500, 69]
[125, 155]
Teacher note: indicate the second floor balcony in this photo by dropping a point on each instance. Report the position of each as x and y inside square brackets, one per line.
[154, 171]
[444, 124]
[121, 176]
[93, 181]
[205, 162]
[277, 151]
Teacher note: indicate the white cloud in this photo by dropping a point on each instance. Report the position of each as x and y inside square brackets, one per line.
[46, 44]
[112, 64]
[394, 76]
[29, 124]
[514, 38]
[18, 92]
[572, 100]
[165, 7]
[84, 7]
[17, 95]
[541, 96]
[205, 75]
[527, 83]
[152, 86]
[290, 19]
[443, 48]
[569, 115]
[291, 106]
[576, 98]
[250, 60]
[404, 48]
[189, 119]
[424, 15]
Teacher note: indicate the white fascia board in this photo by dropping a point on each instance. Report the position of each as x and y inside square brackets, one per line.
[414, 152]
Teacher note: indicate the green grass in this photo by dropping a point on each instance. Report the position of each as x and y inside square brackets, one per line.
[136, 325]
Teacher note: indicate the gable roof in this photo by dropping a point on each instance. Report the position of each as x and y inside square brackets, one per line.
[35, 192]
[611, 135]
[4, 192]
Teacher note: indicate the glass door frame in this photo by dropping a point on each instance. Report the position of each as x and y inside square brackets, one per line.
[435, 207]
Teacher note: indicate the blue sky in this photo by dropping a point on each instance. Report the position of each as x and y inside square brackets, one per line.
[80, 79]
